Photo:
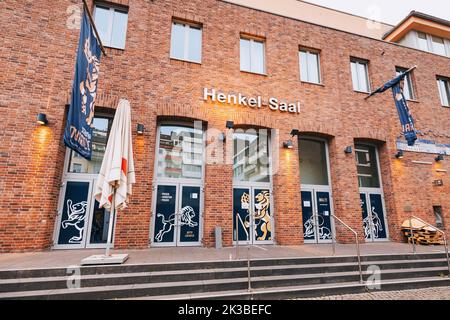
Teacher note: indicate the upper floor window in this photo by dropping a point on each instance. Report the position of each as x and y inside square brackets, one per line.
[186, 42]
[438, 45]
[360, 75]
[111, 23]
[434, 44]
[309, 66]
[408, 90]
[422, 41]
[252, 55]
[444, 90]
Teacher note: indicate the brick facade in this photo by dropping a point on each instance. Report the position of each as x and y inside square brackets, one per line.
[37, 55]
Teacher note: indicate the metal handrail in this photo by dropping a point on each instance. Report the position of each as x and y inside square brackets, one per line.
[438, 230]
[248, 252]
[358, 253]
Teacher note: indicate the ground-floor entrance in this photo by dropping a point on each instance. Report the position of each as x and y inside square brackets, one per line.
[252, 215]
[80, 221]
[177, 215]
[316, 214]
[373, 214]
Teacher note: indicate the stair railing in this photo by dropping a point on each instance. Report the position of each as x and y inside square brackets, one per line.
[358, 252]
[438, 230]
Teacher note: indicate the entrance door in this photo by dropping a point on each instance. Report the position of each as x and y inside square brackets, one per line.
[80, 223]
[252, 215]
[177, 215]
[374, 220]
[316, 211]
[371, 192]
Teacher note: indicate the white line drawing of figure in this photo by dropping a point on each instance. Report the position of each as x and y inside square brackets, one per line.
[377, 224]
[76, 214]
[187, 215]
[324, 232]
[309, 228]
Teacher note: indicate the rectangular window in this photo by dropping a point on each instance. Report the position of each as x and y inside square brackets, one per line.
[186, 42]
[111, 23]
[360, 75]
[367, 166]
[252, 55]
[408, 90]
[309, 66]
[422, 41]
[438, 45]
[444, 91]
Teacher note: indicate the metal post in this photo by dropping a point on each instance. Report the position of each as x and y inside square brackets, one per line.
[411, 235]
[446, 254]
[359, 258]
[248, 269]
[237, 237]
[333, 236]
[110, 227]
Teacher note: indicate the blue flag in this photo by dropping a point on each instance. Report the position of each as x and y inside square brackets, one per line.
[78, 131]
[404, 114]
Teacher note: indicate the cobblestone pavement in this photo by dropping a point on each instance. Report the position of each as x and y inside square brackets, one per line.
[435, 293]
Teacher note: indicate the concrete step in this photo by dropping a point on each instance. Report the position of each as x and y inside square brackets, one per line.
[216, 285]
[107, 279]
[291, 292]
[136, 268]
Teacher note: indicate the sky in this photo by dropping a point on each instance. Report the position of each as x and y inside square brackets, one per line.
[389, 11]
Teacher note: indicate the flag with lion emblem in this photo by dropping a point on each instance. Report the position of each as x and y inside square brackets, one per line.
[406, 118]
[79, 125]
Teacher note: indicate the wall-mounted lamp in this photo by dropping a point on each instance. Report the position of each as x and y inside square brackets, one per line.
[399, 154]
[439, 158]
[288, 144]
[230, 124]
[42, 119]
[348, 150]
[140, 129]
[294, 132]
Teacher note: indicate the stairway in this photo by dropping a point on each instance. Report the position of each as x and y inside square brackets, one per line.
[270, 278]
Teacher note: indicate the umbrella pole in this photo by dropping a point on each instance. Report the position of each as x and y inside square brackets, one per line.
[110, 227]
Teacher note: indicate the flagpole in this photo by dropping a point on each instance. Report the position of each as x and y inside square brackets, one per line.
[407, 71]
[94, 27]
[110, 226]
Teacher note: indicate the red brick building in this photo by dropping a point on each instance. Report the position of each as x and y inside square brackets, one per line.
[188, 68]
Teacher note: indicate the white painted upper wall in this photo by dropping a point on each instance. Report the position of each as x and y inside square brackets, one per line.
[319, 15]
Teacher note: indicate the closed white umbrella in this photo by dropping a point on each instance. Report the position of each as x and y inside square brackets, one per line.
[114, 184]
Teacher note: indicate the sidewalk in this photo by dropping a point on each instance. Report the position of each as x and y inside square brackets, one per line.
[64, 258]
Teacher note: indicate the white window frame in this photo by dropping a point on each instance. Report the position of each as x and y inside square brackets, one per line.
[446, 84]
[252, 41]
[430, 43]
[408, 83]
[366, 67]
[308, 53]
[186, 26]
[107, 42]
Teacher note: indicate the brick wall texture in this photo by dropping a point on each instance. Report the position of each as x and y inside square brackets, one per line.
[37, 57]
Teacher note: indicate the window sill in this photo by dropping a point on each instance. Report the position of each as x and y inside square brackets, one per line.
[112, 49]
[312, 83]
[255, 73]
[362, 92]
[448, 107]
[186, 61]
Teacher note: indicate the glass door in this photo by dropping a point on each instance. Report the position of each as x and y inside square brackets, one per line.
[373, 215]
[252, 215]
[316, 215]
[177, 215]
[371, 193]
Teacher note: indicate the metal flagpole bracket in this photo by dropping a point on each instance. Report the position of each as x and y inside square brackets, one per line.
[91, 19]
